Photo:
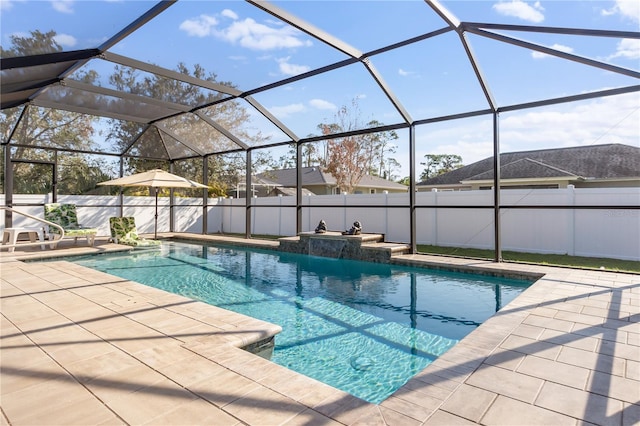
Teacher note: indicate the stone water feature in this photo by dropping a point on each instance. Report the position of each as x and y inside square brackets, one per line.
[368, 247]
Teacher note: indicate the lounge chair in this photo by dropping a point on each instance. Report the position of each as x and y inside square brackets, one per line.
[66, 216]
[124, 231]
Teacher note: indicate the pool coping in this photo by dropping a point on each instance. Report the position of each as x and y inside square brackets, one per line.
[521, 363]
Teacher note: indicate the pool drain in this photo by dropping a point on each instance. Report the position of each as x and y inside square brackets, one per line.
[361, 363]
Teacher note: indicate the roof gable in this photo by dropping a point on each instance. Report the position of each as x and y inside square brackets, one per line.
[314, 176]
[611, 161]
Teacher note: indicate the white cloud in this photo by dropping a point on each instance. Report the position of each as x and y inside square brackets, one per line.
[65, 40]
[628, 48]
[286, 110]
[228, 13]
[6, 4]
[291, 69]
[201, 26]
[560, 47]
[404, 73]
[63, 6]
[253, 35]
[627, 8]
[247, 32]
[521, 10]
[322, 104]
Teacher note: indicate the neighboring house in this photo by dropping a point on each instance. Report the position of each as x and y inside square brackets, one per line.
[322, 183]
[595, 166]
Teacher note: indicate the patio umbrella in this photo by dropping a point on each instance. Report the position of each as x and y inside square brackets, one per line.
[155, 179]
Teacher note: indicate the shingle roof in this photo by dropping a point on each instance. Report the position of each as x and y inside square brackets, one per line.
[315, 176]
[611, 161]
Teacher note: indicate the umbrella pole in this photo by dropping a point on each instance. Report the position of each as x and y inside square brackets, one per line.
[155, 229]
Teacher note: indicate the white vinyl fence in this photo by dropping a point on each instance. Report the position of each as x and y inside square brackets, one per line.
[606, 232]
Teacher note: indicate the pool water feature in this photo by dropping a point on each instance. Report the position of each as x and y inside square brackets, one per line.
[365, 328]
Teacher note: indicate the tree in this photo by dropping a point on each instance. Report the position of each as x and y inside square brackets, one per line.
[378, 146]
[437, 164]
[349, 158]
[224, 170]
[43, 127]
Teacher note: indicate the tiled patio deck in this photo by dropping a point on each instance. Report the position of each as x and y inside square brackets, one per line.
[83, 347]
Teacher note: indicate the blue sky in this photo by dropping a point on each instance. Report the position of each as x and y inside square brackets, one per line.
[250, 48]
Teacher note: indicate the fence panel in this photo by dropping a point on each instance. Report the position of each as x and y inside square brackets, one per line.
[607, 232]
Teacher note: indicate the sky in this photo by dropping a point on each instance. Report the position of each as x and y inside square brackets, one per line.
[250, 48]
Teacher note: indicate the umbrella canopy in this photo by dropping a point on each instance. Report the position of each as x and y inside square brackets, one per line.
[155, 179]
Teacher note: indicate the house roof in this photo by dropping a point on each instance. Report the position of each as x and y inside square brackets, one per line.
[315, 176]
[611, 161]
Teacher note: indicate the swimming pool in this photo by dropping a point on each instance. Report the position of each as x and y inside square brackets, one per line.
[365, 328]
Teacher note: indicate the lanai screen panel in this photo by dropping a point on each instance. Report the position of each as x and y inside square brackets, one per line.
[260, 48]
[245, 122]
[526, 75]
[432, 77]
[197, 134]
[305, 105]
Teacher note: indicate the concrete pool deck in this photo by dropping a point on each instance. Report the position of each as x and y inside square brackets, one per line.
[83, 347]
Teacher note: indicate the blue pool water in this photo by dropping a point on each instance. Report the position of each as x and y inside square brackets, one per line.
[365, 328]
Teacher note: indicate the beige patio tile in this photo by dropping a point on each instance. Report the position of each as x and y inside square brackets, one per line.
[550, 323]
[505, 382]
[570, 339]
[343, 407]
[554, 371]
[105, 364]
[435, 392]
[429, 377]
[76, 350]
[442, 418]
[592, 360]
[392, 418]
[195, 412]
[150, 402]
[632, 370]
[599, 332]
[409, 409]
[510, 412]
[615, 313]
[580, 404]
[528, 346]
[20, 351]
[161, 355]
[32, 404]
[192, 369]
[469, 402]
[619, 350]
[87, 411]
[117, 383]
[16, 376]
[530, 331]
[505, 359]
[418, 398]
[579, 318]
[630, 414]
[318, 393]
[223, 388]
[311, 418]
[544, 311]
[627, 390]
[628, 326]
[264, 406]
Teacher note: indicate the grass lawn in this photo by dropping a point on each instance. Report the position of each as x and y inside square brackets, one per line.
[539, 259]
